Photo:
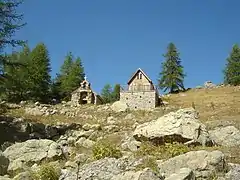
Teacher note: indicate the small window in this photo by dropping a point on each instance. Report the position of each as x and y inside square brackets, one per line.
[140, 76]
[149, 101]
[140, 96]
[126, 98]
[135, 107]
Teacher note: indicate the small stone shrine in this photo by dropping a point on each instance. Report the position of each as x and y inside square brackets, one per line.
[85, 95]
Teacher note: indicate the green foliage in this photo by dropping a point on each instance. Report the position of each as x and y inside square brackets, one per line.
[149, 162]
[3, 108]
[10, 23]
[110, 95]
[106, 93]
[116, 92]
[39, 70]
[168, 150]
[47, 172]
[104, 149]
[17, 84]
[70, 77]
[232, 69]
[172, 75]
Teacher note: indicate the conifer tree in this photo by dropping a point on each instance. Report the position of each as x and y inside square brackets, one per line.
[116, 92]
[106, 93]
[70, 77]
[11, 21]
[232, 69]
[39, 69]
[172, 75]
[17, 84]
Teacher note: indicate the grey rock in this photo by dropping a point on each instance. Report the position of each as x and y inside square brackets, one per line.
[182, 174]
[4, 178]
[4, 162]
[129, 143]
[228, 136]
[119, 106]
[145, 174]
[85, 143]
[234, 173]
[23, 176]
[209, 84]
[30, 152]
[180, 126]
[202, 163]
[34, 111]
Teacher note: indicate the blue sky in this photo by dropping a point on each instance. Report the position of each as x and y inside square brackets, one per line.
[115, 37]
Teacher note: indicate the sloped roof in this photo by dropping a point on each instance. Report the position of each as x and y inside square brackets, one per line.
[139, 70]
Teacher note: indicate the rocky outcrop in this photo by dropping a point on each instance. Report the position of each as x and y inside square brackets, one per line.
[4, 162]
[4, 178]
[145, 174]
[182, 174]
[32, 151]
[228, 136]
[202, 163]
[234, 173]
[18, 130]
[103, 169]
[181, 126]
[209, 84]
[119, 106]
[106, 169]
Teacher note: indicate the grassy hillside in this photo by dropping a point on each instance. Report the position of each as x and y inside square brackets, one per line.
[217, 104]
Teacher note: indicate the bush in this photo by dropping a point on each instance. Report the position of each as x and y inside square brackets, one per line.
[3, 108]
[47, 172]
[149, 162]
[103, 149]
[163, 151]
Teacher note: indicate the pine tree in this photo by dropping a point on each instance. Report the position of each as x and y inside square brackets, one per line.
[172, 75]
[39, 68]
[106, 93]
[70, 77]
[232, 69]
[116, 92]
[10, 23]
[16, 87]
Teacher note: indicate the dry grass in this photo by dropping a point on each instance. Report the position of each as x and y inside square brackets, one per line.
[216, 103]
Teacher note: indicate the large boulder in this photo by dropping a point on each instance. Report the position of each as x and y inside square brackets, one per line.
[234, 173]
[180, 126]
[4, 162]
[103, 169]
[119, 106]
[145, 174]
[31, 152]
[209, 84]
[202, 163]
[183, 174]
[226, 136]
[4, 178]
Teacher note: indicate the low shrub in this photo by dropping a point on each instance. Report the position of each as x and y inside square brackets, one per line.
[104, 149]
[47, 172]
[163, 151]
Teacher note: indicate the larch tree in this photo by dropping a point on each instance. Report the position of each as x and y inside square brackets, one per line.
[172, 74]
[106, 93]
[39, 69]
[11, 21]
[232, 69]
[116, 92]
[70, 76]
[17, 84]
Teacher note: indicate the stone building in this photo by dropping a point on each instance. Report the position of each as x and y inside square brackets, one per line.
[140, 92]
[85, 95]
